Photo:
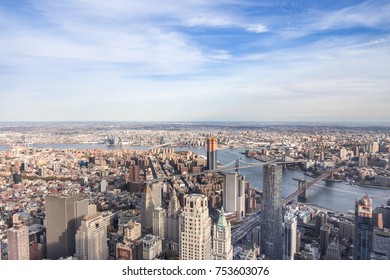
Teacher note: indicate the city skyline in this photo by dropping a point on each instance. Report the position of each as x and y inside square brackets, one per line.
[219, 60]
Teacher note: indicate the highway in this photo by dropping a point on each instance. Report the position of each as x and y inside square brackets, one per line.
[245, 226]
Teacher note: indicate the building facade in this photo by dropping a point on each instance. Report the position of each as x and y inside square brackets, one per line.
[18, 240]
[91, 238]
[222, 239]
[63, 217]
[212, 147]
[290, 237]
[234, 194]
[272, 214]
[363, 229]
[195, 229]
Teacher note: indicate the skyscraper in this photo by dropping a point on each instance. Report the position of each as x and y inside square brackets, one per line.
[151, 198]
[290, 236]
[18, 242]
[234, 194]
[63, 218]
[363, 229]
[159, 220]
[91, 238]
[222, 239]
[195, 229]
[271, 215]
[147, 207]
[172, 223]
[212, 153]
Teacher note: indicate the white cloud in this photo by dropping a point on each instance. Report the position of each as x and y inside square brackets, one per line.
[134, 57]
[257, 28]
[220, 54]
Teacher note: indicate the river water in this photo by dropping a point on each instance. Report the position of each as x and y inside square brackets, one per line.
[334, 195]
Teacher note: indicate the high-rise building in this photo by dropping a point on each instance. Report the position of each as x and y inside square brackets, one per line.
[172, 223]
[195, 229]
[63, 217]
[381, 242]
[333, 251]
[272, 213]
[91, 238]
[324, 239]
[151, 198]
[212, 153]
[363, 229]
[374, 147]
[385, 211]
[343, 153]
[159, 220]
[234, 194]
[18, 240]
[346, 230]
[147, 207]
[290, 236]
[222, 239]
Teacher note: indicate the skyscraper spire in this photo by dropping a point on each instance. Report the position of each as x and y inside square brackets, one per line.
[222, 239]
[222, 223]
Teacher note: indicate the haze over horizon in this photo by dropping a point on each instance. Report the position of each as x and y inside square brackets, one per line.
[225, 60]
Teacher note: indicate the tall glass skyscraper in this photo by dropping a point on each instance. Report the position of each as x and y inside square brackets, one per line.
[363, 229]
[272, 213]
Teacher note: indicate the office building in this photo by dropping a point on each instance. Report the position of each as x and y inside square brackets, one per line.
[147, 207]
[222, 239]
[159, 220]
[324, 238]
[363, 229]
[333, 251]
[172, 223]
[195, 229]
[272, 213]
[212, 147]
[132, 231]
[91, 238]
[18, 240]
[290, 236]
[385, 211]
[381, 243]
[64, 213]
[151, 246]
[234, 194]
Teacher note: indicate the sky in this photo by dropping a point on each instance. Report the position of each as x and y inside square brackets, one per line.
[195, 60]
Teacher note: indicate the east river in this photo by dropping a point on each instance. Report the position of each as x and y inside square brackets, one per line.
[338, 196]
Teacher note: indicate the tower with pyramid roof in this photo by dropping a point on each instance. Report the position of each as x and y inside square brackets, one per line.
[222, 236]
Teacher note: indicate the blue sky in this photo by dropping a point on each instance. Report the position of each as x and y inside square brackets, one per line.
[225, 60]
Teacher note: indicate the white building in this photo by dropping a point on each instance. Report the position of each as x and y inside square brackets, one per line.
[222, 239]
[159, 221]
[91, 238]
[290, 236]
[132, 231]
[234, 194]
[151, 247]
[195, 229]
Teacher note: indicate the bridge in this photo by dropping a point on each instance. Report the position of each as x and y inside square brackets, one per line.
[234, 165]
[304, 185]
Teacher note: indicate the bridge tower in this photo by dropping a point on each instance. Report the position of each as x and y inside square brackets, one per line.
[302, 184]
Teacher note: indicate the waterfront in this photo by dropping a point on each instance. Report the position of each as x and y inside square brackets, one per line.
[334, 195]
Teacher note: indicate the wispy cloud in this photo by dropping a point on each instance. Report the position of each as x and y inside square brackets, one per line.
[257, 28]
[74, 59]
